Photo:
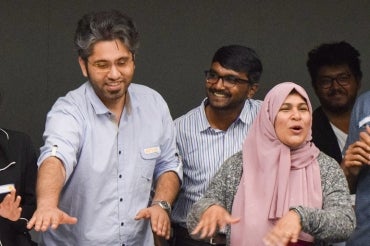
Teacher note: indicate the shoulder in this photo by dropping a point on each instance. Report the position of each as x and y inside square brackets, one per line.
[74, 97]
[329, 167]
[253, 104]
[364, 96]
[362, 105]
[138, 89]
[233, 164]
[144, 95]
[189, 116]
[326, 161]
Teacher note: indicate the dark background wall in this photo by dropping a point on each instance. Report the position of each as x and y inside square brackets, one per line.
[178, 39]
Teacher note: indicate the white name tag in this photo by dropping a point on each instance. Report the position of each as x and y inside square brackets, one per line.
[6, 188]
[151, 150]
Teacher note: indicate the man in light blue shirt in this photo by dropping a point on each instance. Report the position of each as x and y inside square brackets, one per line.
[210, 133]
[107, 143]
[356, 164]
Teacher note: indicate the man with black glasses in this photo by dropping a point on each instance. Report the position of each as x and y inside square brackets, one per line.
[210, 133]
[336, 78]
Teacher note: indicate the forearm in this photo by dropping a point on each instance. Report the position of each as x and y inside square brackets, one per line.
[167, 187]
[335, 221]
[50, 180]
[330, 225]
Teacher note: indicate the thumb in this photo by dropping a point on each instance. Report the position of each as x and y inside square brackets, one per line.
[69, 219]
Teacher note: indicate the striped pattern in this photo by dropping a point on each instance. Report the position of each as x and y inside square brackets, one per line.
[204, 149]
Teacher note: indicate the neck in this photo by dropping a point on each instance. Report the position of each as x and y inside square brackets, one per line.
[341, 120]
[116, 107]
[222, 118]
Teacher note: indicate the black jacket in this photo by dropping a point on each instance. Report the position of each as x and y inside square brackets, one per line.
[323, 135]
[17, 148]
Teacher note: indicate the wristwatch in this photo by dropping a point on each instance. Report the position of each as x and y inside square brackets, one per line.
[163, 204]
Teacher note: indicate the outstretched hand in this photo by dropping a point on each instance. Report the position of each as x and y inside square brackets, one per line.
[9, 207]
[214, 217]
[159, 220]
[43, 218]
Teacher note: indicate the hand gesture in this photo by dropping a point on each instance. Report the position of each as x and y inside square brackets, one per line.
[358, 153]
[46, 217]
[159, 220]
[214, 217]
[286, 230]
[9, 207]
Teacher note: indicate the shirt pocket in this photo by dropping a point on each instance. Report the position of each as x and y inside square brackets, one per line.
[149, 156]
[150, 153]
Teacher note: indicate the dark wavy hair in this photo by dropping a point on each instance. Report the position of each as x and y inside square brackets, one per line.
[105, 26]
[332, 54]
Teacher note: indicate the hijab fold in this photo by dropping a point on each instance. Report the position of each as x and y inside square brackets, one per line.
[275, 177]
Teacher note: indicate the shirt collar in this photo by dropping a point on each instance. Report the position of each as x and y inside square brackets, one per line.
[99, 106]
[204, 124]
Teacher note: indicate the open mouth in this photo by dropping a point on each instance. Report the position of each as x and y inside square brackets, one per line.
[296, 129]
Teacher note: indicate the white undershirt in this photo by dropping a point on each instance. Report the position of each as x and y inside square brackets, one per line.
[341, 137]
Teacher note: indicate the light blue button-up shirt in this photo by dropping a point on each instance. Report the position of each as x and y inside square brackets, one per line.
[110, 169]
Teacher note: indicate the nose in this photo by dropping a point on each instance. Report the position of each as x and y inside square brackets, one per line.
[296, 115]
[114, 73]
[219, 82]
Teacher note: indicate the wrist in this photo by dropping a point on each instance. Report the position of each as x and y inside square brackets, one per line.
[164, 205]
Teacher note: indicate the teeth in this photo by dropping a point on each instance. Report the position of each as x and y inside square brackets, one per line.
[219, 94]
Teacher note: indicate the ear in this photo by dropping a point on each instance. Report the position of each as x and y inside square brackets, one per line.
[82, 66]
[253, 88]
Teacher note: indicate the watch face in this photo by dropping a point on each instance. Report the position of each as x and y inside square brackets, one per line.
[165, 205]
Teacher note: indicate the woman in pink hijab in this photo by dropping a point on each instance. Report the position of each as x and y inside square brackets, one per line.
[280, 190]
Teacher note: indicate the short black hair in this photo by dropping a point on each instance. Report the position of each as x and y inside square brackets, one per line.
[240, 59]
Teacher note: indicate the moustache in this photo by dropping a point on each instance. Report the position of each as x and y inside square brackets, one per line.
[334, 92]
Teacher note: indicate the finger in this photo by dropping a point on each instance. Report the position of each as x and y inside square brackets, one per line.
[45, 224]
[206, 231]
[17, 201]
[142, 214]
[70, 220]
[31, 223]
[232, 220]
[54, 223]
[197, 229]
[168, 234]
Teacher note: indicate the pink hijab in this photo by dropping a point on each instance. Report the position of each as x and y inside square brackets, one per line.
[275, 177]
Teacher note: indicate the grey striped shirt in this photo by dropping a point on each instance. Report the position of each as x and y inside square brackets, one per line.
[203, 150]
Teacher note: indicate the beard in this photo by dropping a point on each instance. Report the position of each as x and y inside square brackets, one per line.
[338, 107]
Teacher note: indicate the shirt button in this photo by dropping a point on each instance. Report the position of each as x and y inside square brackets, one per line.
[120, 199]
[119, 152]
[120, 176]
[122, 223]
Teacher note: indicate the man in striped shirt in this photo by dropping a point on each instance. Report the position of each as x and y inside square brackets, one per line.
[209, 134]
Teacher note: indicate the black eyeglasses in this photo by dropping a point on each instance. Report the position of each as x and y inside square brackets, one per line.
[342, 79]
[228, 80]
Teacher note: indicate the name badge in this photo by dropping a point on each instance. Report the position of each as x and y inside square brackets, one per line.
[151, 150]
